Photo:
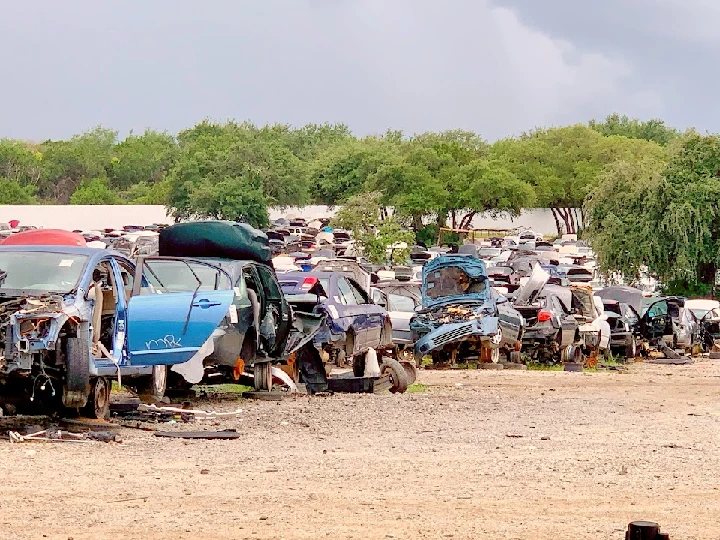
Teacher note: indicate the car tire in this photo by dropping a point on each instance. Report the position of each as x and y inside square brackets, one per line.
[262, 372]
[631, 350]
[76, 389]
[152, 389]
[398, 375]
[411, 371]
[98, 404]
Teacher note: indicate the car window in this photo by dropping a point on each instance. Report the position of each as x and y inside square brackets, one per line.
[401, 303]
[360, 295]
[40, 271]
[558, 306]
[346, 293]
[378, 297]
[128, 278]
[172, 275]
[658, 309]
[241, 294]
[269, 284]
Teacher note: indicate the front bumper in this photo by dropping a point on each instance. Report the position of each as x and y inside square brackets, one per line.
[621, 339]
[483, 329]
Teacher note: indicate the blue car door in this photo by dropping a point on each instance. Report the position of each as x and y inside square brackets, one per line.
[356, 319]
[175, 307]
[374, 316]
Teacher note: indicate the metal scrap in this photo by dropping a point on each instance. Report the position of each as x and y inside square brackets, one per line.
[58, 435]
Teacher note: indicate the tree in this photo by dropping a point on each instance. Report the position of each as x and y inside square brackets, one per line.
[11, 192]
[142, 159]
[668, 220]
[95, 191]
[65, 164]
[563, 165]
[653, 130]
[361, 215]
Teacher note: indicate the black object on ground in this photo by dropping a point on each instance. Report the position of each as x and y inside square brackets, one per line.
[226, 434]
[645, 530]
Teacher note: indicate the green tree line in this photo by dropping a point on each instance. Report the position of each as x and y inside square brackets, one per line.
[643, 193]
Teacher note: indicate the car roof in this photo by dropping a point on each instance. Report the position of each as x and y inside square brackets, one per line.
[71, 250]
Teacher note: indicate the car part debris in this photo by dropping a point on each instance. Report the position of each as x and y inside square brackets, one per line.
[57, 435]
[645, 530]
[225, 434]
[196, 412]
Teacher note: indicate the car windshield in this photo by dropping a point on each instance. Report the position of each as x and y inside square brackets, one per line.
[489, 252]
[41, 271]
[452, 281]
[402, 303]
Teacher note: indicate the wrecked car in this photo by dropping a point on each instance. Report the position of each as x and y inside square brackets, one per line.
[461, 315]
[668, 320]
[550, 326]
[624, 327]
[400, 299]
[353, 323]
[72, 318]
[707, 313]
[573, 322]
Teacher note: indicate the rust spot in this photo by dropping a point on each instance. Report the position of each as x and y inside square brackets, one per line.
[239, 368]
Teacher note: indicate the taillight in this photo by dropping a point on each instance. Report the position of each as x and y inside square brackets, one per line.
[544, 316]
[308, 283]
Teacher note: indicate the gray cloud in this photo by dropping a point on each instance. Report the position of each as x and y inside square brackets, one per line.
[494, 67]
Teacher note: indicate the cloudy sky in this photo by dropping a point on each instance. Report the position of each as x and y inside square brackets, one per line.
[497, 67]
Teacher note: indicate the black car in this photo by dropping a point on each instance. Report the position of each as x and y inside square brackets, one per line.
[624, 327]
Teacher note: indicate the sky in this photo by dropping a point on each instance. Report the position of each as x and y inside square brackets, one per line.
[496, 67]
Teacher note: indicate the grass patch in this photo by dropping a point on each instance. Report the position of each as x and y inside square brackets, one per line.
[417, 387]
[543, 367]
[222, 388]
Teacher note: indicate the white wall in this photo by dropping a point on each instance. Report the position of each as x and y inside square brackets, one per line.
[84, 217]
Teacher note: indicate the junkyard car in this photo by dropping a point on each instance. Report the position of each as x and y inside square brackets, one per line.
[354, 323]
[461, 315]
[624, 327]
[72, 318]
[550, 326]
[669, 320]
[707, 313]
[400, 299]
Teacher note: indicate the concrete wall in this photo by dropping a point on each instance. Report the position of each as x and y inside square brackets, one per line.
[100, 217]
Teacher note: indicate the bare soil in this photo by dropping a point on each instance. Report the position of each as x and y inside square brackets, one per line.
[479, 454]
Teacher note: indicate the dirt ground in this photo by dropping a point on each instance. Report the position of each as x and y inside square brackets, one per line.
[478, 454]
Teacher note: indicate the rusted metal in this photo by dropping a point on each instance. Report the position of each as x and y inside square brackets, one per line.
[645, 530]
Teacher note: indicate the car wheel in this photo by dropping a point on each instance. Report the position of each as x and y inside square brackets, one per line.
[495, 356]
[98, 404]
[76, 390]
[411, 371]
[152, 389]
[631, 350]
[398, 375]
[497, 339]
[262, 372]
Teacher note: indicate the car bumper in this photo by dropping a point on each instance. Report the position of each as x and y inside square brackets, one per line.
[621, 339]
[535, 335]
[474, 330]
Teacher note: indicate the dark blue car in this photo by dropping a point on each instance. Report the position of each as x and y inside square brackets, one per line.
[353, 323]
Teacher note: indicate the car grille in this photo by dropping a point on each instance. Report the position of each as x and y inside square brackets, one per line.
[453, 335]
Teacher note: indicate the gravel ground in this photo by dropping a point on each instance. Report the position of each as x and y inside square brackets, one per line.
[477, 455]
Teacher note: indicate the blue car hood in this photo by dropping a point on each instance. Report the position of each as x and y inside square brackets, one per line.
[474, 268]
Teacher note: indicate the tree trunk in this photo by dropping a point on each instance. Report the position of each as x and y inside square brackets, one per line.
[557, 221]
[417, 222]
[453, 219]
[467, 219]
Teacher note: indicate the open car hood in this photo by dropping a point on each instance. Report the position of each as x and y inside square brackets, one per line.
[454, 278]
[529, 292]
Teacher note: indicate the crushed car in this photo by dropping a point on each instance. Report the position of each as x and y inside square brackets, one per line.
[462, 316]
[74, 318]
[707, 313]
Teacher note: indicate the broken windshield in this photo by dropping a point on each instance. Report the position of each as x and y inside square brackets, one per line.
[453, 281]
[41, 271]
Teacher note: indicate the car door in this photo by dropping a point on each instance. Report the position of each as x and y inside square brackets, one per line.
[374, 315]
[167, 323]
[278, 311]
[568, 324]
[631, 316]
[656, 322]
[355, 318]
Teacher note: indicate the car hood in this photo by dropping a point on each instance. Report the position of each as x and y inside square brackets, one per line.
[529, 292]
[449, 273]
